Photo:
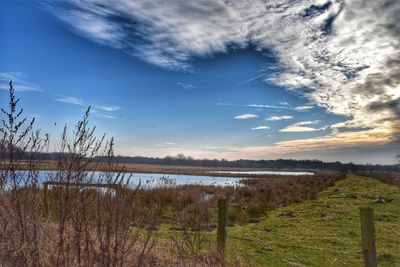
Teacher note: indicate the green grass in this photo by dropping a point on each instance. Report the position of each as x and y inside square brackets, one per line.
[325, 231]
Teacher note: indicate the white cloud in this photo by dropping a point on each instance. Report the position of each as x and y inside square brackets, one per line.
[95, 109]
[298, 129]
[268, 106]
[102, 115]
[262, 127]
[303, 108]
[107, 116]
[19, 82]
[71, 100]
[252, 79]
[108, 108]
[302, 123]
[345, 53]
[279, 118]
[11, 76]
[302, 127]
[245, 116]
[186, 86]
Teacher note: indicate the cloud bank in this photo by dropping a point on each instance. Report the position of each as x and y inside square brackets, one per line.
[341, 55]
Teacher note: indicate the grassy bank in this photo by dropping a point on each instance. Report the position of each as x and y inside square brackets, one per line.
[324, 231]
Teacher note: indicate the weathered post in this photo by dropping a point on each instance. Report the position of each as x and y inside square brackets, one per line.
[45, 199]
[368, 236]
[222, 224]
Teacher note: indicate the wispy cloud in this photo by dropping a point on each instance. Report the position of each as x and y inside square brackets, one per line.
[262, 127]
[95, 108]
[224, 104]
[302, 123]
[252, 79]
[106, 116]
[186, 86]
[268, 106]
[245, 116]
[303, 108]
[279, 118]
[11, 76]
[108, 108]
[298, 129]
[102, 115]
[347, 62]
[282, 105]
[166, 145]
[19, 81]
[71, 100]
[302, 126]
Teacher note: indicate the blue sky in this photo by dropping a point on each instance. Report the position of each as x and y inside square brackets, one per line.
[193, 84]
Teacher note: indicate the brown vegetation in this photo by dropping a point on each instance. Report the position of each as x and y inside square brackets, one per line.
[85, 226]
[386, 177]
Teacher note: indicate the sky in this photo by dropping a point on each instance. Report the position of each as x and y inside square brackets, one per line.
[302, 79]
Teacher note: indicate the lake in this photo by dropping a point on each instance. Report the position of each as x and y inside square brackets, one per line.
[264, 173]
[152, 180]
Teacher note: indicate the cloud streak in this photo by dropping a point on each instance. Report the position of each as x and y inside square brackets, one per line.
[186, 86]
[303, 108]
[95, 109]
[245, 117]
[71, 100]
[19, 81]
[262, 127]
[279, 118]
[303, 126]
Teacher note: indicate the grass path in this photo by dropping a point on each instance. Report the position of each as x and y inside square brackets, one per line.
[325, 231]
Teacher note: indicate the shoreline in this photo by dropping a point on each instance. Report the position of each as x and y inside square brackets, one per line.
[168, 169]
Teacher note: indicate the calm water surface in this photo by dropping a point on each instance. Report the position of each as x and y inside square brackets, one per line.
[264, 173]
[152, 180]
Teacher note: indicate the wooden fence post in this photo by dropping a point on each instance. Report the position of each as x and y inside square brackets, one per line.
[222, 224]
[368, 236]
[45, 199]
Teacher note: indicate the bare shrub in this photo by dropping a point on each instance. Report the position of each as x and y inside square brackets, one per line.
[82, 225]
[20, 223]
[189, 237]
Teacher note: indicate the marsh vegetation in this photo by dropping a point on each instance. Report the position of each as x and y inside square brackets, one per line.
[73, 224]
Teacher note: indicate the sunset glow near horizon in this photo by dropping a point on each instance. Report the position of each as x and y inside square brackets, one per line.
[304, 79]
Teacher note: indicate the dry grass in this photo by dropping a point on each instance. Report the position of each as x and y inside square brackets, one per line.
[82, 226]
[386, 177]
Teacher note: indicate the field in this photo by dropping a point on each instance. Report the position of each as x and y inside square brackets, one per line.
[275, 221]
[324, 231]
[321, 232]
